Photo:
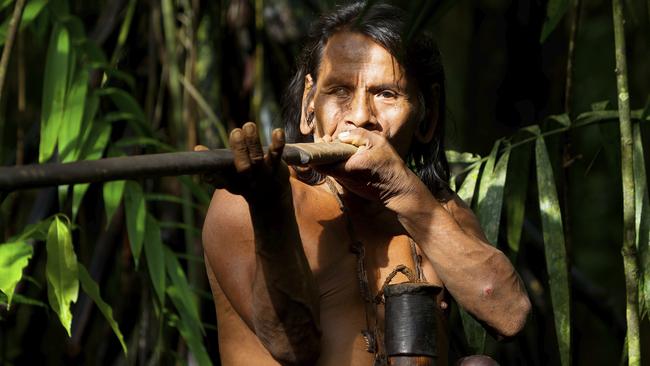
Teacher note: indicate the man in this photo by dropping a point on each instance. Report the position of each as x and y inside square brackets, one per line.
[277, 239]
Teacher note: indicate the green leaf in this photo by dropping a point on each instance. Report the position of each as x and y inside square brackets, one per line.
[126, 103]
[554, 250]
[488, 170]
[36, 231]
[516, 196]
[70, 128]
[555, 10]
[92, 150]
[14, 257]
[173, 199]
[113, 192]
[599, 106]
[155, 255]
[91, 289]
[20, 299]
[32, 9]
[55, 81]
[562, 119]
[61, 271]
[474, 332]
[466, 190]
[197, 191]
[642, 220]
[489, 209]
[456, 157]
[178, 279]
[136, 211]
[187, 327]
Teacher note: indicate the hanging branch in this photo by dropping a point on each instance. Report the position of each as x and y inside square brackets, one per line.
[628, 251]
[11, 35]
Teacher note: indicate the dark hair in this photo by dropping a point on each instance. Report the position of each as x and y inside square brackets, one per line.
[420, 57]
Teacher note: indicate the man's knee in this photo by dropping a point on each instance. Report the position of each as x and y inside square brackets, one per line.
[476, 360]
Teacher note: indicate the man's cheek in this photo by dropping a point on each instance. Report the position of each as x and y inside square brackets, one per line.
[329, 116]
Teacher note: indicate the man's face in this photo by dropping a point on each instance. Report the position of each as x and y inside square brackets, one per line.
[361, 85]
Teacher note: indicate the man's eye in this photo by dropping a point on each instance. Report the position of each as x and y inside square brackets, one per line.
[387, 94]
[339, 92]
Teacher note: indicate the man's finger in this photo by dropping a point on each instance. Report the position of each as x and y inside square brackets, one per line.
[356, 137]
[252, 139]
[200, 148]
[277, 145]
[240, 152]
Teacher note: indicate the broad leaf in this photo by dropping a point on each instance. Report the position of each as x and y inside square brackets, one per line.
[187, 327]
[20, 299]
[516, 195]
[36, 231]
[489, 209]
[92, 150]
[113, 192]
[467, 188]
[555, 10]
[642, 209]
[135, 210]
[61, 271]
[14, 257]
[554, 249]
[91, 289]
[486, 176]
[54, 90]
[179, 281]
[70, 129]
[155, 255]
[126, 103]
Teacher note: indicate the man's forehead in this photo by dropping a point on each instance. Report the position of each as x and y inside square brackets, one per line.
[348, 52]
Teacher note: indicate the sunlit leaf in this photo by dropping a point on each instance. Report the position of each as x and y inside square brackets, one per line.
[70, 128]
[179, 281]
[55, 82]
[555, 10]
[486, 176]
[32, 9]
[91, 289]
[14, 257]
[135, 210]
[642, 220]
[489, 209]
[155, 255]
[460, 157]
[562, 119]
[516, 195]
[467, 188]
[61, 271]
[187, 327]
[554, 249]
[113, 192]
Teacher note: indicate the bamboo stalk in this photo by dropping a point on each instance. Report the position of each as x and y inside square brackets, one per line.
[156, 165]
[630, 262]
[11, 35]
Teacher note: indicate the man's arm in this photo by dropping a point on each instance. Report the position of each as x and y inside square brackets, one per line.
[478, 275]
[254, 247]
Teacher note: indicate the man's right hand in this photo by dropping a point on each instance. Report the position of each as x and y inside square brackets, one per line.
[259, 178]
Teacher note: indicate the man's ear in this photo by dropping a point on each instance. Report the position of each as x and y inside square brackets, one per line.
[307, 122]
[427, 126]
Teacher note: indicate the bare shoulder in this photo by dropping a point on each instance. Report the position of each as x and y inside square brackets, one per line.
[463, 215]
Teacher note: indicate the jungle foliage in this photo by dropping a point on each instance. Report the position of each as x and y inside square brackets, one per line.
[113, 273]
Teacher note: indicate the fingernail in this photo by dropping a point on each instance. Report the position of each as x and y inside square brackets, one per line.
[344, 135]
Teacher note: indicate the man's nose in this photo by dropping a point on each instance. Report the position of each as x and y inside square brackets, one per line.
[361, 113]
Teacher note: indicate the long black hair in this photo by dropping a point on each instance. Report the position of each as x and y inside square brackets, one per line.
[384, 24]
